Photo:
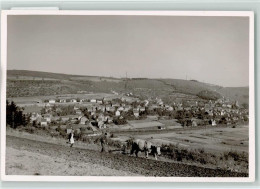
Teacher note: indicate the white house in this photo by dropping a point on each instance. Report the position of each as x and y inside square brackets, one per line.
[229, 106]
[93, 100]
[44, 122]
[213, 123]
[120, 108]
[99, 101]
[78, 112]
[136, 113]
[62, 100]
[194, 123]
[51, 101]
[117, 113]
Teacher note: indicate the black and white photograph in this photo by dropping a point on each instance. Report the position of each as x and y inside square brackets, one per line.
[127, 96]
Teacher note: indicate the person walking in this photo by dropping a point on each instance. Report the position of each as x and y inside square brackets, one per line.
[103, 142]
[71, 138]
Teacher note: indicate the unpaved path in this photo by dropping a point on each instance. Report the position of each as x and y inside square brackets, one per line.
[26, 156]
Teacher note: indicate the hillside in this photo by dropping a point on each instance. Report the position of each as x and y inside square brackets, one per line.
[240, 94]
[22, 83]
[37, 75]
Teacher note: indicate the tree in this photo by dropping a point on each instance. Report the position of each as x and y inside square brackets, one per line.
[209, 95]
[245, 106]
[15, 116]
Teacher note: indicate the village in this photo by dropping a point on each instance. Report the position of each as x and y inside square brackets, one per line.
[89, 117]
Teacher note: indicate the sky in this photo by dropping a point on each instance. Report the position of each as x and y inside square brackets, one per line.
[208, 49]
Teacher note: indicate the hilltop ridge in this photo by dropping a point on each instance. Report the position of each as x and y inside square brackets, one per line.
[36, 83]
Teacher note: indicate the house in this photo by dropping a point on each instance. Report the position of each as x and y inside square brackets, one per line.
[136, 112]
[115, 105]
[93, 100]
[194, 123]
[236, 104]
[93, 109]
[146, 103]
[44, 122]
[152, 108]
[100, 101]
[170, 108]
[99, 107]
[229, 106]
[108, 119]
[127, 108]
[47, 106]
[51, 101]
[117, 113]
[64, 118]
[160, 102]
[34, 117]
[73, 100]
[209, 111]
[101, 117]
[187, 108]
[213, 122]
[107, 108]
[47, 117]
[55, 118]
[112, 109]
[62, 100]
[84, 120]
[101, 125]
[81, 100]
[120, 108]
[78, 112]
[103, 109]
[142, 109]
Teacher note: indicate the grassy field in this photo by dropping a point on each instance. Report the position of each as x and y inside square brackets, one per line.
[212, 139]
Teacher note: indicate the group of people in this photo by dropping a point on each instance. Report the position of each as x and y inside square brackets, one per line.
[102, 139]
[137, 145]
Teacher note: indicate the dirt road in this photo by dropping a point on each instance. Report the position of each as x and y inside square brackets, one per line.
[34, 157]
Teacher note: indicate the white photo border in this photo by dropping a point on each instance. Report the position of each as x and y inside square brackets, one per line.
[4, 33]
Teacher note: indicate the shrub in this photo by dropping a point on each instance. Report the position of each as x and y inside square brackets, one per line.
[86, 139]
[63, 133]
[30, 129]
[202, 161]
[112, 135]
[209, 95]
[55, 133]
[236, 156]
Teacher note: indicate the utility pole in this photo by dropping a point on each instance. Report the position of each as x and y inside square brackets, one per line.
[125, 81]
